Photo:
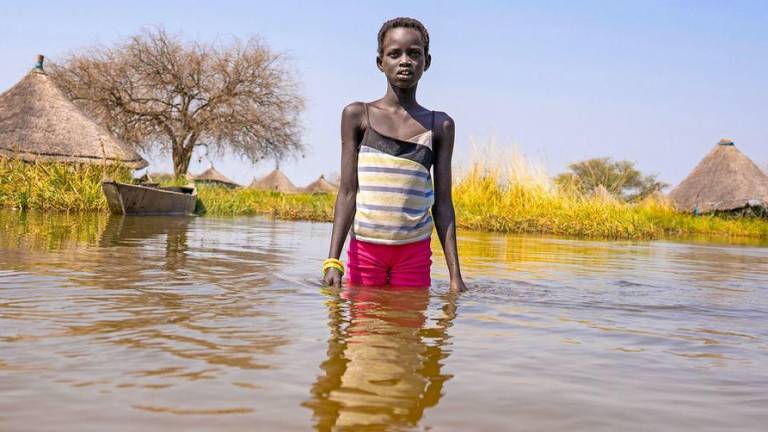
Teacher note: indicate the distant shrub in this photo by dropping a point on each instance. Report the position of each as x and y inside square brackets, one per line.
[620, 178]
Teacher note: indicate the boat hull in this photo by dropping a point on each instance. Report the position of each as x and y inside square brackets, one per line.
[129, 199]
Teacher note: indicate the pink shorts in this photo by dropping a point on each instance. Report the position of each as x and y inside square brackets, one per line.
[373, 264]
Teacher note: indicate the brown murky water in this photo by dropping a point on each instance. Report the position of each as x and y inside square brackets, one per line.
[219, 324]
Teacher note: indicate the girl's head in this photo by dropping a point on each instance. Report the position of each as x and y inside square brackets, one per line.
[403, 51]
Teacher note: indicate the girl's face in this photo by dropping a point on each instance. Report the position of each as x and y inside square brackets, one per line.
[403, 60]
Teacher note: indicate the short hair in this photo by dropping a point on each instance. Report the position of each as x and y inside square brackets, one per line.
[404, 22]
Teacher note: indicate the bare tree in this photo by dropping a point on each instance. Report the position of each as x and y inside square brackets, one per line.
[159, 92]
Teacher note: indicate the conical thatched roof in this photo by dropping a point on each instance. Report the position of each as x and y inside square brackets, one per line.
[724, 180]
[321, 185]
[275, 181]
[213, 176]
[39, 122]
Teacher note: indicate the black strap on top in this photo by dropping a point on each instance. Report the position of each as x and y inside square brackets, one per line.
[368, 124]
[433, 124]
[367, 118]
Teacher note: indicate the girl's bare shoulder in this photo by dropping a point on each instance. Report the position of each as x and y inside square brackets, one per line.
[444, 124]
[353, 116]
[354, 110]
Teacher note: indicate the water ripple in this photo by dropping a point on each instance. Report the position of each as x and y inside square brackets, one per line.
[217, 323]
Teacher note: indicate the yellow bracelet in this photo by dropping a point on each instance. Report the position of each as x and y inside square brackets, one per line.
[333, 263]
[333, 260]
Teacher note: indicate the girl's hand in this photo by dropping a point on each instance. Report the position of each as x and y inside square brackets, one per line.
[457, 285]
[332, 278]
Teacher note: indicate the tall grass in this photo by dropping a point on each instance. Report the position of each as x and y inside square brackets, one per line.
[497, 191]
[221, 201]
[55, 186]
[504, 192]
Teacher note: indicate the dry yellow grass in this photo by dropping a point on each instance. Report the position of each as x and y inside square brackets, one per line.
[55, 186]
[501, 192]
[504, 192]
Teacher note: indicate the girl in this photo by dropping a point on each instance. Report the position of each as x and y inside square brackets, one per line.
[386, 190]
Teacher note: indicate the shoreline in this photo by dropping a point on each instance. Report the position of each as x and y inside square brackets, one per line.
[484, 200]
[319, 209]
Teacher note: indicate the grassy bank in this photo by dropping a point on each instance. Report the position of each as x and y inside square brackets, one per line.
[505, 192]
[221, 201]
[484, 202]
[55, 186]
[513, 197]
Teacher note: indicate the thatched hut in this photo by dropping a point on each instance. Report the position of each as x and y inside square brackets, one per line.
[275, 181]
[320, 186]
[39, 123]
[725, 180]
[213, 177]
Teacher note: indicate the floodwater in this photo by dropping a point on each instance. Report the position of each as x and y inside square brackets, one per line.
[220, 324]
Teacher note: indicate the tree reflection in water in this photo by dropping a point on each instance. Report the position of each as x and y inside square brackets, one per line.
[385, 358]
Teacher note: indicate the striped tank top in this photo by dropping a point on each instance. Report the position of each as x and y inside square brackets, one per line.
[394, 195]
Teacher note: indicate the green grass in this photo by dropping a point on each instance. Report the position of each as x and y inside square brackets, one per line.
[222, 201]
[55, 186]
[515, 197]
[485, 201]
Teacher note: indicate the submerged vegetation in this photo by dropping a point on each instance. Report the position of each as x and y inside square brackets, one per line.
[513, 196]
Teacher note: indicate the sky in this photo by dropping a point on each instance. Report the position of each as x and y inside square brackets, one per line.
[655, 82]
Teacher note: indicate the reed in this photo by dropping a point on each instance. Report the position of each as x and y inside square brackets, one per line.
[483, 202]
[504, 192]
[221, 201]
[55, 186]
[501, 192]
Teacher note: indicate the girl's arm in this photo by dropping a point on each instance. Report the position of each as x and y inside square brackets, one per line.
[344, 212]
[442, 210]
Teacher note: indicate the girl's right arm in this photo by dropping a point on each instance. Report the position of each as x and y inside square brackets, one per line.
[344, 212]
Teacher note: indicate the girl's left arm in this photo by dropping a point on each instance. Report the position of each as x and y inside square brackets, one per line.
[442, 210]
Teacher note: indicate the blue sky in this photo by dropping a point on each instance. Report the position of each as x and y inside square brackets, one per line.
[656, 82]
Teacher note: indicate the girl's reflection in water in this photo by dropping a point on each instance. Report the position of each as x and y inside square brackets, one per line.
[385, 356]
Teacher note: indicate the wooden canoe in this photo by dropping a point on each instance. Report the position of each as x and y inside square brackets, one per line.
[130, 199]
